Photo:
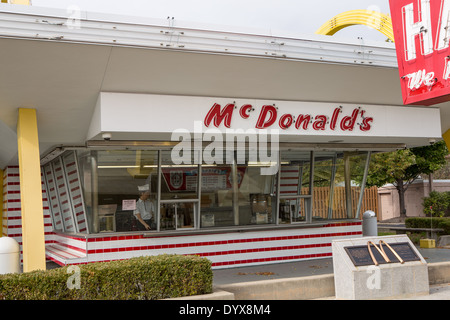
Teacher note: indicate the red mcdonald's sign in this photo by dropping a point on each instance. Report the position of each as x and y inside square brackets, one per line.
[422, 34]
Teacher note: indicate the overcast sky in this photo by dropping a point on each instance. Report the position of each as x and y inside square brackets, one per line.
[299, 16]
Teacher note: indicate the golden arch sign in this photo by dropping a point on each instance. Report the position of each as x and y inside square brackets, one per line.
[373, 19]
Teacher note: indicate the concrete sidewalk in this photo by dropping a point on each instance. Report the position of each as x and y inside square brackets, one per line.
[313, 273]
[302, 268]
[274, 271]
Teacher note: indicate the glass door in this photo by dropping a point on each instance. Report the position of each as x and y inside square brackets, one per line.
[178, 194]
[295, 187]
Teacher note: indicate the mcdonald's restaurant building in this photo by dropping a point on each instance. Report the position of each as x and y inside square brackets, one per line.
[245, 147]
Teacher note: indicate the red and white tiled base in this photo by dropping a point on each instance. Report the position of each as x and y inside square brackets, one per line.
[12, 207]
[66, 249]
[225, 250]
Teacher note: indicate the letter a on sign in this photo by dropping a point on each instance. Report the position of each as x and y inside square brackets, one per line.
[422, 35]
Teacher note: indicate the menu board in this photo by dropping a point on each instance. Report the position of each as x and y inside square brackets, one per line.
[213, 178]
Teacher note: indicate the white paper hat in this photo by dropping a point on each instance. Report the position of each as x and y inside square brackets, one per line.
[145, 187]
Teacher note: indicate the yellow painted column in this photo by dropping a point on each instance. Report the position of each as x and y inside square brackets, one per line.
[1, 202]
[446, 137]
[33, 241]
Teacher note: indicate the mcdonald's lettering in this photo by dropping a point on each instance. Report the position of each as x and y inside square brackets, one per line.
[269, 115]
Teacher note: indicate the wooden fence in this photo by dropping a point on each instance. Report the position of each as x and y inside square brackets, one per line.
[322, 198]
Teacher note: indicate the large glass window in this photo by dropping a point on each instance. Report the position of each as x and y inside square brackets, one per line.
[295, 186]
[237, 195]
[113, 182]
[338, 184]
[179, 194]
[219, 194]
[93, 191]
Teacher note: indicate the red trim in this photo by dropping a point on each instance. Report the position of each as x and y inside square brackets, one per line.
[225, 242]
[13, 218]
[55, 261]
[236, 262]
[15, 226]
[14, 209]
[140, 236]
[68, 246]
[11, 200]
[70, 236]
[62, 253]
[221, 244]
[306, 246]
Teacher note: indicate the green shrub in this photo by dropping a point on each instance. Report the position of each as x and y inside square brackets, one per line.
[425, 222]
[437, 204]
[149, 278]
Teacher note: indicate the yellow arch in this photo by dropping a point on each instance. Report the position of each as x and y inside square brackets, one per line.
[373, 19]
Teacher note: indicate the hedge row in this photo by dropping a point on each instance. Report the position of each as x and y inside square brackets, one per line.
[143, 278]
[423, 222]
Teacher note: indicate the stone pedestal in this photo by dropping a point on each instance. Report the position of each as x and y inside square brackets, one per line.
[385, 281]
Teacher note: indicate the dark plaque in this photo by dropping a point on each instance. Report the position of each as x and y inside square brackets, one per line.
[360, 255]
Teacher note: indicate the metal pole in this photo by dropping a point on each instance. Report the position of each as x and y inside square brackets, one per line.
[348, 185]
[235, 191]
[197, 206]
[363, 184]
[94, 192]
[158, 197]
[277, 213]
[331, 198]
[311, 188]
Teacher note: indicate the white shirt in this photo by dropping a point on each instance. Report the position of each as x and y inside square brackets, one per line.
[145, 208]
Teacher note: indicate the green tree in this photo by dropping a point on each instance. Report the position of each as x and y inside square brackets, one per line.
[403, 167]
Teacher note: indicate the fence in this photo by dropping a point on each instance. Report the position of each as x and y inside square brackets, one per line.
[339, 209]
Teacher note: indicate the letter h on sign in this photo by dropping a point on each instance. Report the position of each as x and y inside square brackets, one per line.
[422, 34]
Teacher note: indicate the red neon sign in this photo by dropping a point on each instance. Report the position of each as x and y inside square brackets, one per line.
[422, 34]
[268, 116]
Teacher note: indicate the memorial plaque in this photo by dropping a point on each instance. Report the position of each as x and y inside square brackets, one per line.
[402, 272]
[360, 255]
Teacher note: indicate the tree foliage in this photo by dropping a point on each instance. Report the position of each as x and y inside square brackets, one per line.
[403, 167]
[406, 165]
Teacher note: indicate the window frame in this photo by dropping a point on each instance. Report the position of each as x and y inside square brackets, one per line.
[299, 196]
[195, 201]
[309, 208]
